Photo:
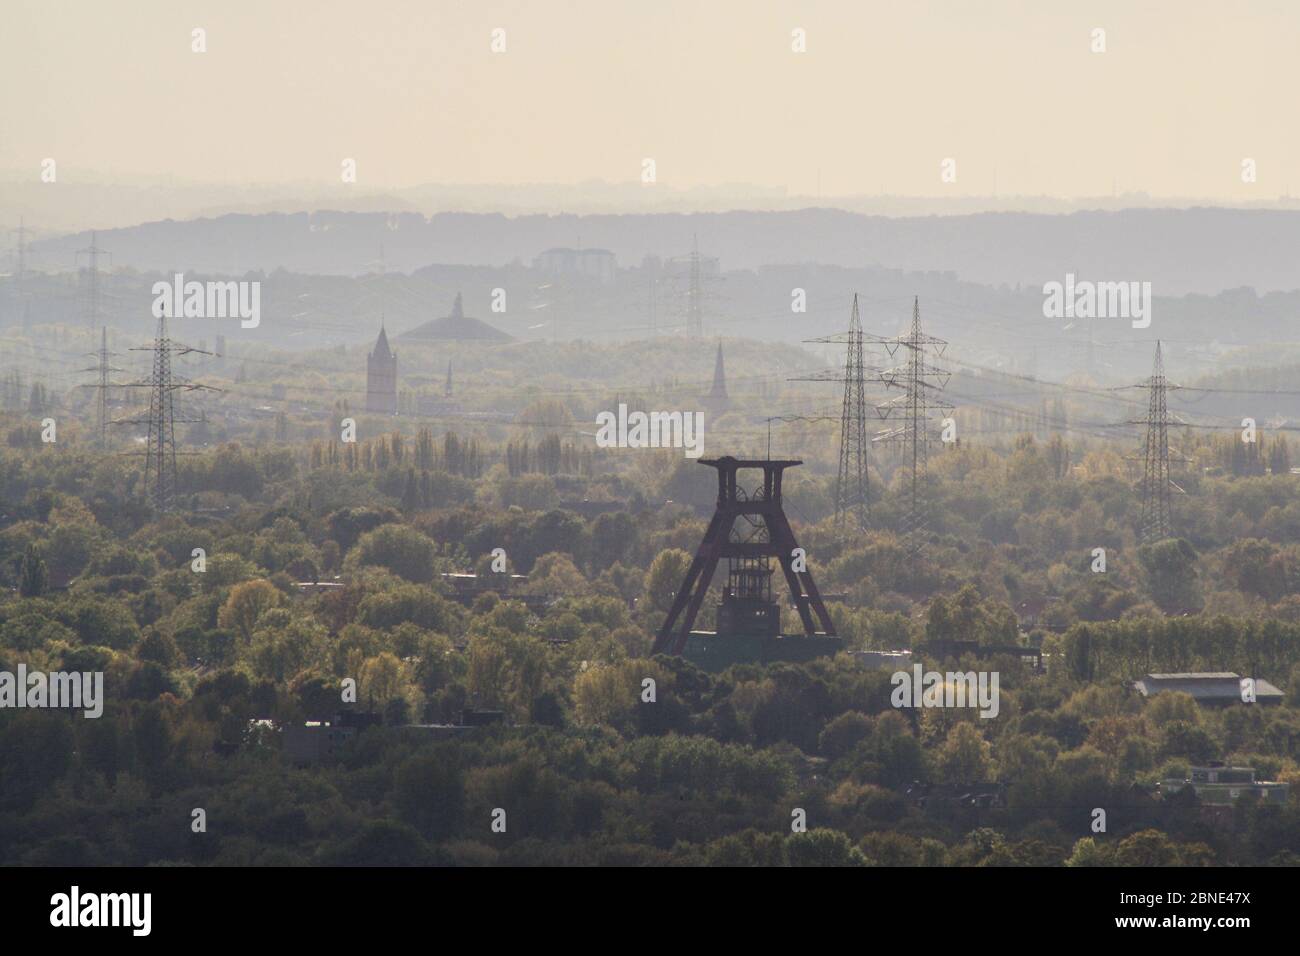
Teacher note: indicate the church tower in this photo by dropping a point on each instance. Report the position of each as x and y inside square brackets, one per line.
[381, 377]
[717, 402]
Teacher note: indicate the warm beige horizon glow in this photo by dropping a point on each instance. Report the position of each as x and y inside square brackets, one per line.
[710, 90]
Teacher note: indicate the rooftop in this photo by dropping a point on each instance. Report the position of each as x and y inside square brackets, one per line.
[1218, 686]
[455, 327]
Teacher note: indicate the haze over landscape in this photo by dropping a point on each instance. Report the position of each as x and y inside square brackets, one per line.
[423, 415]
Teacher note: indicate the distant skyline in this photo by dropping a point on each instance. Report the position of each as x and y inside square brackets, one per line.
[586, 91]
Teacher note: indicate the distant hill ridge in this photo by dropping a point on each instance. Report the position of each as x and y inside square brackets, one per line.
[1180, 251]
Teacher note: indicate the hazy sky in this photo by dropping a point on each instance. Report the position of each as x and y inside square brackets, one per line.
[709, 89]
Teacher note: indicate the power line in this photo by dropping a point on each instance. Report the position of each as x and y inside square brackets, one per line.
[92, 252]
[1156, 523]
[923, 384]
[852, 481]
[160, 448]
[102, 386]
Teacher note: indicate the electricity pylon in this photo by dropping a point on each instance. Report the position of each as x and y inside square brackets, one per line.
[852, 498]
[695, 295]
[697, 291]
[1157, 522]
[92, 254]
[19, 275]
[922, 385]
[102, 386]
[160, 449]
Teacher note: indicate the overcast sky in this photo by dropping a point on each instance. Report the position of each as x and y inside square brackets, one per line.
[710, 89]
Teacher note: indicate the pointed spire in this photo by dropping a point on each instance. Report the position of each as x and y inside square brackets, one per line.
[447, 390]
[717, 402]
[457, 309]
[382, 351]
[719, 376]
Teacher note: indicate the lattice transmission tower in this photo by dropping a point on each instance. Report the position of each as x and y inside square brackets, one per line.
[92, 254]
[852, 491]
[20, 256]
[695, 295]
[1157, 521]
[698, 290]
[19, 276]
[915, 410]
[102, 385]
[160, 448]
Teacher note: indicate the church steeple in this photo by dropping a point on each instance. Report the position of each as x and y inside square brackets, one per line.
[719, 377]
[381, 376]
[717, 401]
[447, 390]
[382, 351]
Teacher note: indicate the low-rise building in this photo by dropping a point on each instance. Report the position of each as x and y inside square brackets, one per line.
[1211, 688]
[1224, 786]
[598, 264]
[466, 588]
[314, 741]
[883, 659]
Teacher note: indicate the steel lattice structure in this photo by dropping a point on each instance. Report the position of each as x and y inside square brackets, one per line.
[852, 485]
[103, 385]
[915, 409]
[769, 537]
[160, 448]
[92, 254]
[697, 292]
[695, 295]
[1157, 521]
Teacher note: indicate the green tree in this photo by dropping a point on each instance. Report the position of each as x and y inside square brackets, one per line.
[429, 791]
[1170, 570]
[33, 578]
[247, 602]
[1088, 852]
[964, 758]
[822, 847]
[409, 603]
[664, 578]
[410, 493]
[383, 679]
[1146, 848]
[402, 550]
